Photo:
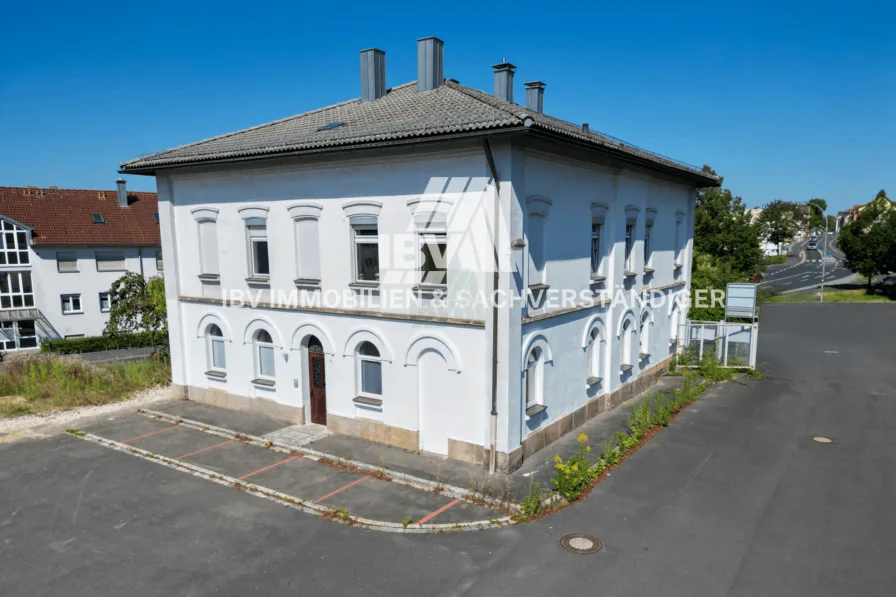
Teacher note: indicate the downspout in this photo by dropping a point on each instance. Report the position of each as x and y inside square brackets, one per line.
[493, 433]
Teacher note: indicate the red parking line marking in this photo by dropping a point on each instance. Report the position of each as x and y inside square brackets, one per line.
[332, 493]
[432, 515]
[148, 434]
[270, 466]
[204, 449]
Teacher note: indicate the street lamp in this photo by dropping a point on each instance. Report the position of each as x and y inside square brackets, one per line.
[824, 257]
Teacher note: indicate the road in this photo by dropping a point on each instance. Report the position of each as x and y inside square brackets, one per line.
[733, 499]
[799, 275]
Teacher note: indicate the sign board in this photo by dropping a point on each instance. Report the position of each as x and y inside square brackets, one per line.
[740, 301]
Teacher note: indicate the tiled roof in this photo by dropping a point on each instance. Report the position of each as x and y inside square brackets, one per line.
[65, 216]
[403, 113]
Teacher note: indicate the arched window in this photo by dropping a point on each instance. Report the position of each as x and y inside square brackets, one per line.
[263, 346]
[644, 336]
[594, 355]
[370, 370]
[214, 344]
[532, 383]
[628, 330]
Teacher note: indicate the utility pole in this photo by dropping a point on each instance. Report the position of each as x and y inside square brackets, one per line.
[824, 256]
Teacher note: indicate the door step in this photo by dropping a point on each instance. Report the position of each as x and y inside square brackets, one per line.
[298, 435]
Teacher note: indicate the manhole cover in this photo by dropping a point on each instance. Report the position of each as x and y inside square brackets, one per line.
[581, 543]
[823, 440]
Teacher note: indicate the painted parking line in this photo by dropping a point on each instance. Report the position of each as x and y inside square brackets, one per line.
[432, 515]
[270, 466]
[332, 493]
[148, 434]
[201, 450]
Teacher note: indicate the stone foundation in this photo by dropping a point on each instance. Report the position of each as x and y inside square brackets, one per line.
[284, 412]
[374, 431]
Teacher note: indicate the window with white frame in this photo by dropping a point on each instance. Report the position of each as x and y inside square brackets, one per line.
[66, 262]
[598, 218]
[433, 258]
[644, 336]
[207, 228]
[370, 370]
[259, 261]
[648, 249]
[532, 381]
[13, 245]
[110, 261]
[160, 265]
[105, 302]
[307, 249]
[538, 209]
[16, 290]
[71, 303]
[214, 347]
[366, 250]
[263, 346]
[594, 354]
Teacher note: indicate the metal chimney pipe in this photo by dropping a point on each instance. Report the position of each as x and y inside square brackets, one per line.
[504, 81]
[122, 192]
[430, 63]
[373, 74]
[535, 96]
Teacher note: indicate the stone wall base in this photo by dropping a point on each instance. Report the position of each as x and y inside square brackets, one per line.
[290, 414]
[374, 431]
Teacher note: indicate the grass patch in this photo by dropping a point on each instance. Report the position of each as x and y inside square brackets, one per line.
[832, 295]
[42, 384]
[774, 260]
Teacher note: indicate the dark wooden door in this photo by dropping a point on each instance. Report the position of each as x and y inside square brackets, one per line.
[318, 382]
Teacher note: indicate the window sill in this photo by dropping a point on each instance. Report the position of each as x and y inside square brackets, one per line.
[430, 288]
[628, 274]
[64, 312]
[535, 409]
[677, 265]
[644, 355]
[625, 368]
[105, 310]
[258, 281]
[364, 285]
[367, 401]
[598, 279]
[216, 374]
[211, 278]
[308, 283]
[648, 270]
[593, 380]
[267, 383]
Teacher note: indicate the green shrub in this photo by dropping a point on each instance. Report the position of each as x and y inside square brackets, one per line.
[774, 260]
[571, 477]
[531, 504]
[99, 343]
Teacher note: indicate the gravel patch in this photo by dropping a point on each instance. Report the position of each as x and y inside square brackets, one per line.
[65, 418]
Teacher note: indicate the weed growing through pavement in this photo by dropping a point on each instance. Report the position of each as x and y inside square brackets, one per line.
[406, 521]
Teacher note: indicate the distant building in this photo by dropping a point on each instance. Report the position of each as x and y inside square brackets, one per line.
[61, 250]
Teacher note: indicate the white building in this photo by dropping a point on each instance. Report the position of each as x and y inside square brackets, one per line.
[60, 251]
[355, 204]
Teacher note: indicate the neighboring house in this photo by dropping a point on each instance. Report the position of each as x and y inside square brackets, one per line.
[325, 217]
[61, 250]
[768, 247]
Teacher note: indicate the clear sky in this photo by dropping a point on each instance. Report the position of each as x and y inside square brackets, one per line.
[785, 100]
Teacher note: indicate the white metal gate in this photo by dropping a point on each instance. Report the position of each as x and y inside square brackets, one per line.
[733, 345]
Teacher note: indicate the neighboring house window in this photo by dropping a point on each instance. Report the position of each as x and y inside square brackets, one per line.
[208, 247]
[215, 349]
[71, 303]
[538, 209]
[110, 261]
[16, 290]
[105, 302]
[629, 244]
[264, 354]
[644, 335]
[14, 249]
[366, 254]
[594, 354]
[433, 259]
[160, 265]
[66, 262]
[259, 262]
[370, 370]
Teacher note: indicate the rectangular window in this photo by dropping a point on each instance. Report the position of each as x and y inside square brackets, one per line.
[71, 303]
[648, 228]
[307, 249]
[208, 247]
[110, 261]
[259, 264]
[629, 243]
[434, 258]
[595, 248]
[66, 262]
[218, 360]
[371, 377]
[13, 245]
[16, 291]
[366, 254]
[105, 302]
[536, 243]
[160, 265]
[266, 361]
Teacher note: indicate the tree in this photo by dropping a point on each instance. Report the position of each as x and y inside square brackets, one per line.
[869, 242]
[779, 220]
[724, 230]
[816, 217]
[832, 222]
[137, 305]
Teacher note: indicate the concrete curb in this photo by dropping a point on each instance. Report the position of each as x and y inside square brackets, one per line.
[292, 501]
[417, 482]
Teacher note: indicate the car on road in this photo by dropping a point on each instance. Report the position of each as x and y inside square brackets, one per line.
[888, 281]
[812, 245]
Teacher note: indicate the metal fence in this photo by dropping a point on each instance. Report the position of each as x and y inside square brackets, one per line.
[733, 345]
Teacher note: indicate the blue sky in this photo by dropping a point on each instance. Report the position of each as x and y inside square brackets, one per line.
[785, 100]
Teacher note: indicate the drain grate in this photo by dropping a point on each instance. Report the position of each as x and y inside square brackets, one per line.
[821, 439]
[581, 543]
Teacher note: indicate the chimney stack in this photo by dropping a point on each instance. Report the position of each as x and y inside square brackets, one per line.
[535, 96]
[504, 81]
[122, 192]
[373, 74]
[430, 63]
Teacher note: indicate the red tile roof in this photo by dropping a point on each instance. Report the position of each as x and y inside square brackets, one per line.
[65, 216]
